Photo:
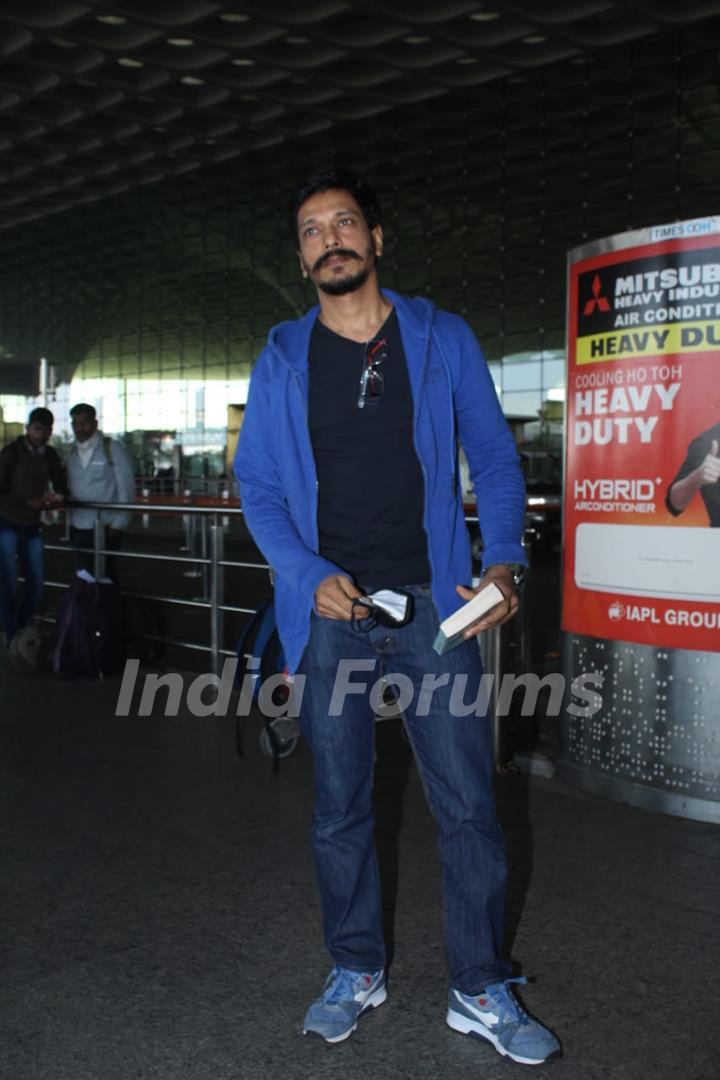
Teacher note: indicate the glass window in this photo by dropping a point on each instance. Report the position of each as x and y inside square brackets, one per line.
[553, 374]
[521, 376]
[496, 375]
[522, 403]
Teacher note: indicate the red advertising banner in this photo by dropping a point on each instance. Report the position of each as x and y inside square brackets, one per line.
[642, 471]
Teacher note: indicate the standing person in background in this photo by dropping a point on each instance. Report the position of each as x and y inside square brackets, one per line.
[99, 470]
[32, 479]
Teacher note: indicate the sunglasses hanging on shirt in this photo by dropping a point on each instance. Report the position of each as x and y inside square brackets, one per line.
[372, 380]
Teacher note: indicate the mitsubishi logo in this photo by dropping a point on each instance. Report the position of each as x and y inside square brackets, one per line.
[597, 301]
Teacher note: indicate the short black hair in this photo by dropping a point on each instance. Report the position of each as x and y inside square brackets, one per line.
[327, 179]
[85, 409]
[41, 416]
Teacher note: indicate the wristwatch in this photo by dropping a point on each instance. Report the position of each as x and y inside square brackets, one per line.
[518, 571]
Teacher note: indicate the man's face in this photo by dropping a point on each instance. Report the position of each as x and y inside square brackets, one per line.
[337, 250]
[37, 433]
[84, 426]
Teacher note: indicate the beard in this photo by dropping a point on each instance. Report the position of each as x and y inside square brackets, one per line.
[347, 284]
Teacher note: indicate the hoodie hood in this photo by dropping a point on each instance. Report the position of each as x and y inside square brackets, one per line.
[291, 340]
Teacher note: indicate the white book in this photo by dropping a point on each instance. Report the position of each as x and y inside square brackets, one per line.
[452, 629]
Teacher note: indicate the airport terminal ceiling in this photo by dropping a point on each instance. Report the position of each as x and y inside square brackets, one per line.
[96, 98]
[146, 151]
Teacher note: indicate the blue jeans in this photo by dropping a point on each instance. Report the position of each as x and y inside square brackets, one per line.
[23, 544]
[455, 759]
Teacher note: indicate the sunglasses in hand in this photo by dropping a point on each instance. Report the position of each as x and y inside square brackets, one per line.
[387, 607]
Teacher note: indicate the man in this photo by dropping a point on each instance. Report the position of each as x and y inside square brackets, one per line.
[700, 471]
[32, 479]
[348, 472]
[99, 470]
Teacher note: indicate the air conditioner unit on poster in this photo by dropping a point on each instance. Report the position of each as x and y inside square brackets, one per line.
[20, 379]
[669, 562]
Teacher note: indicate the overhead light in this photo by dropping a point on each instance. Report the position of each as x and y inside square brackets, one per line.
[181, 42]
[485, 16]
[248, 97]
[129, 61]
[63, 43]
[242, 61]
[233, 17]
[297, 40]
[534, 39]
[111, 20]
[192, 80]
[416, 39]
[466, 60]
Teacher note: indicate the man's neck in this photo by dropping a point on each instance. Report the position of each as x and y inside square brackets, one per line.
[357, 315]
[89, 443]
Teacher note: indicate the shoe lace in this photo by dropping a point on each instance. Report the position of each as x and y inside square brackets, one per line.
[339, 986]
[505, 1004]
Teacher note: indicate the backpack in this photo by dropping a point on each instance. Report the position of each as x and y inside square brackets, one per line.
[279, 735]
[90, 629]
[260, 632]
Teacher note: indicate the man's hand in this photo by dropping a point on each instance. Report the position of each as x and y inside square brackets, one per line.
[707, 472]
[334, 597]
[45, 501]
[502, 576]
[709, 469]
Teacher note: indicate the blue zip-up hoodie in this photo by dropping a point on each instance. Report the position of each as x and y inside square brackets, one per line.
[454, 398]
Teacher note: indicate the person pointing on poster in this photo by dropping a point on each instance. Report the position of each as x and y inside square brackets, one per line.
[699, 472]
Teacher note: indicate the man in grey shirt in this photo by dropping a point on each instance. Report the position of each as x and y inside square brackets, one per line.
[99, 470]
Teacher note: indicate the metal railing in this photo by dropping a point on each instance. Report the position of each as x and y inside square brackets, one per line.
[210, 557]
[209, 554]
[180, 487]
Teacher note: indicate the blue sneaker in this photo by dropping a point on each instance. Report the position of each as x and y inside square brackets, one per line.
[497, 1015]
[345, 997]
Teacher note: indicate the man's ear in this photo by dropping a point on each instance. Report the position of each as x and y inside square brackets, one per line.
[377, 238]
[303, 268]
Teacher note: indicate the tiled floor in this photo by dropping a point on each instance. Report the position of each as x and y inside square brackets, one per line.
[161, 918]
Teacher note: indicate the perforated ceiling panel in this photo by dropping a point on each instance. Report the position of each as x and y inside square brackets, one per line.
[98, 97]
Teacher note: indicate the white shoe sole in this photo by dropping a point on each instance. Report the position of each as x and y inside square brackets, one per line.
[467, 1026]
[376, 998]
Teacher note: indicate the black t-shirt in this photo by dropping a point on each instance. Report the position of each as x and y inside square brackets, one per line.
[370, 484]
[698, 450]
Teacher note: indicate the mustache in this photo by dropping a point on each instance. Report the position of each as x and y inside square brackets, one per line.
[348, 252]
